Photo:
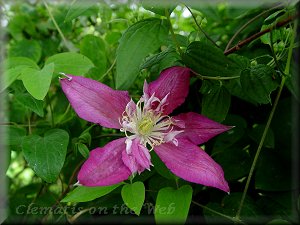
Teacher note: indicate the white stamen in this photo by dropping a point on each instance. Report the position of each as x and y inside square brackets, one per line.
[147, 124]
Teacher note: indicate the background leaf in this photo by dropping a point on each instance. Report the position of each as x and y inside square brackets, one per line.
[31, 103]
[258, 83]
[42, 152]
[139, 40]
[133, 196]
[26, 48]
[78, 8]
[215, 101]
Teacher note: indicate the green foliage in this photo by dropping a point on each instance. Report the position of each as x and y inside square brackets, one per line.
[85, 194]
[139, 40]
[133, 196]
[122, 45]
[41, 152]
[173, 205]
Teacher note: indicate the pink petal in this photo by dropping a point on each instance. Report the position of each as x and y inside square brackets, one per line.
[197, 128]
[137, 158]
[193, 164]
[173, 82]
[105, 165]
[141, 154]
[94, 101]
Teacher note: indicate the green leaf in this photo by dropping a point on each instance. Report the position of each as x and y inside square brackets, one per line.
[26, 48]
[93, 47]
[46, 155]
[258, 83]
[13, 62]
[209, 60]
[36, 82]
[216, 100]
[256, 134]
[235, 161]
[133, 196]
[83, 149]
[157, 58]
[160, 167]
[70, 63]
[78, 8]
[14, 68]
[15, 136]
[139, 40]
[249, 212]
[86, 194]
[10, 76]
[273, 172]
[172, 206]
[160, 8]
[31, 103]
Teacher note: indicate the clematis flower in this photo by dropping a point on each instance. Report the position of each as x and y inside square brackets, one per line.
[147, 126]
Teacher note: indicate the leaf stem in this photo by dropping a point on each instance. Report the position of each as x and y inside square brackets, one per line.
[218, 213]
[200, 28]
[286, 71]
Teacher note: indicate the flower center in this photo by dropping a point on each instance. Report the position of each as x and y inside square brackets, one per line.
[145, 126]
[149, 125]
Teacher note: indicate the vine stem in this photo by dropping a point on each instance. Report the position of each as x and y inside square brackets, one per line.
[218, 213]
[259, 34]
[56, 25]
[200, 28]
[286, 71]
[249, 22]
[201, 77]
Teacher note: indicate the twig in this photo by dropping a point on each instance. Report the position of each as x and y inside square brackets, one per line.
[257, 35]
[249, 22]
[201, 77]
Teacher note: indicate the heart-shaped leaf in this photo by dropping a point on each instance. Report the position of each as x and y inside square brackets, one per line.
[172, 206]
[46, 155]
[133, 196]
[37, 82]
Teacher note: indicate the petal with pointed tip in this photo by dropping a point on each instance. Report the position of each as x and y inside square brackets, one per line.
[197, 128]
[193, 164]
[94, 101]
[105, 165]
[173, 81]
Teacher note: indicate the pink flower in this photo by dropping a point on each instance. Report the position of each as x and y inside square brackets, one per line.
[147, 126]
